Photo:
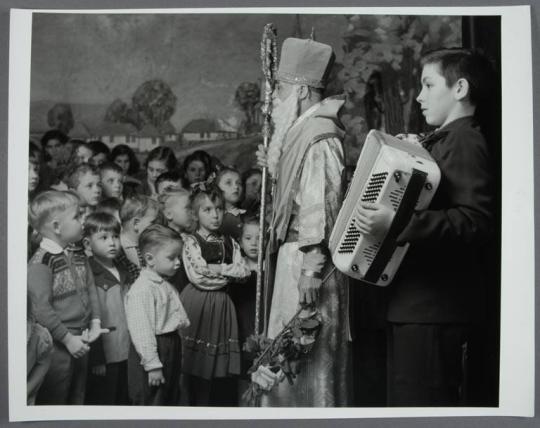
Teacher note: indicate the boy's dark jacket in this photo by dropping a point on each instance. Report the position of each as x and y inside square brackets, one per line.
[441, 277]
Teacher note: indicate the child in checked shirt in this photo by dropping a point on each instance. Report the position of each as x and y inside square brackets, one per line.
[155, 316]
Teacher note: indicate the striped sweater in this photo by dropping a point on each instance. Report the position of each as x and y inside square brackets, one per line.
[62, 291]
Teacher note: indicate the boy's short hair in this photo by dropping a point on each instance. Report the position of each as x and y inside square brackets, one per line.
[171, 176]
[167, 199]
[100, 222]
[469, 64]
[110, 166]
[74, 174]
[155, 236]
[48, 203]
[136, 206]
[214, 194]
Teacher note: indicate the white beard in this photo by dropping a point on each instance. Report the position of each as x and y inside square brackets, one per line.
[284, 114]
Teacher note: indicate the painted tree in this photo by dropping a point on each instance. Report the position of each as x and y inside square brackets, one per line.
[120, 112]
[154, 104]
[388, 48]
[60, 117]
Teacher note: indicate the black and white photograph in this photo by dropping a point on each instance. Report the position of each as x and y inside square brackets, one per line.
[255, 209]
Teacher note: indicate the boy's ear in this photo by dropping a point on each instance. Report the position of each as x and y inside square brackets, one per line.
[135, 223]
[55, 224]
[149, 259]
[86, 243]
[167, 214]
[461, 89]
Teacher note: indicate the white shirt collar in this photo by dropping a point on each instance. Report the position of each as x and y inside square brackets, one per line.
[50, 246]
[152, 275]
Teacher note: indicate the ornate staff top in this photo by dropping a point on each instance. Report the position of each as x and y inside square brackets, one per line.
[269, 69]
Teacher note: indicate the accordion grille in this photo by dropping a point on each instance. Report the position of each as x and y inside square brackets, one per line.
[352, 235]
[374, 187]
[348, 244]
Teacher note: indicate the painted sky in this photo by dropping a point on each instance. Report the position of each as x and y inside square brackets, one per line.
[94, 59]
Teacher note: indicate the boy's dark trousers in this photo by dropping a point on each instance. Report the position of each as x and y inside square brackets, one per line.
[170, 354]
[65, 382]
[111, 389]
[426, 364]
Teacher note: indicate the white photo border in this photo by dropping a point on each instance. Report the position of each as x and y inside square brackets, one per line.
[516, 388]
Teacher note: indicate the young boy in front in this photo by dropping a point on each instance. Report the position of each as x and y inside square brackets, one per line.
[155, 316]
[107, 382]
[137, 213]
[435, 293]
[63, 295]
[178, 214]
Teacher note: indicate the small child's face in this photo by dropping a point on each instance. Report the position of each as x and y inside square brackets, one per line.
[181, 213]
[146, 220]
[83, 155]
[98, 159]
[89, 189]
[436, 99]
[123, 162]
[195, 172]
[155, 169]
[112, 184]
[249, 241]
[253, 186]
[230, 184]
[33, 176]
[104, 244]
[69, 225]
[167, 185]
[210, 216]
[166, 259]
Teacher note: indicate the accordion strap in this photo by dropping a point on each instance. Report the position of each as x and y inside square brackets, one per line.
[401, 219]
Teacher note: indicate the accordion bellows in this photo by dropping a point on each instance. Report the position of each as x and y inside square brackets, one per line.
[395, 173]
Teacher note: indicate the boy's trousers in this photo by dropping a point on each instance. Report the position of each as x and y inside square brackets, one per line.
[170, 354]
[65, 382]
[426, 364]
[111, 389]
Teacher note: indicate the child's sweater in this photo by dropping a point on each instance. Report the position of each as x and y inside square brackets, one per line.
[62, 289]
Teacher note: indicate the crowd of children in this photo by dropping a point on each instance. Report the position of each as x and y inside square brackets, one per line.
[141, 284]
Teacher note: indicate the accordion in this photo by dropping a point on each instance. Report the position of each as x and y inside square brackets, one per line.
[392, 172]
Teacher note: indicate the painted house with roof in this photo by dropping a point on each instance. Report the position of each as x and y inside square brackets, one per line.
[205, 130]
[113, 134]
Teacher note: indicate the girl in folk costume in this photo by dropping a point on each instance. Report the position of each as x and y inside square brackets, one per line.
[305, 159]
[211, 357]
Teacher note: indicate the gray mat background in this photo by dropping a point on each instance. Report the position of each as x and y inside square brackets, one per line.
[5, 5]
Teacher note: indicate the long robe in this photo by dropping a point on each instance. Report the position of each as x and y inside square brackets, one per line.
[324, 373]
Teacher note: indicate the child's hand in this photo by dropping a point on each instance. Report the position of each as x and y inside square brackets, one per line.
[215, 268]
[262, 156]
[95, 331]
[410, 138]
[374, 219]
[75, 345]
[155, 377]
[100, 370]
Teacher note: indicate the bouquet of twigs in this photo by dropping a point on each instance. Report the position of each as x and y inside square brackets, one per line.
[283, 352]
